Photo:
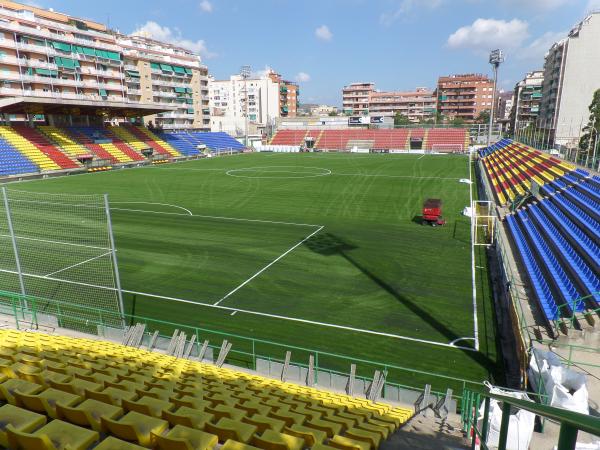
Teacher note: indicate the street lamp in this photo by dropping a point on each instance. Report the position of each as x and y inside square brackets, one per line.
[245, 72]
[496, 58]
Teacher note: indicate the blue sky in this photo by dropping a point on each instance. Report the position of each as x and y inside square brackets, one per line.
[325, 44]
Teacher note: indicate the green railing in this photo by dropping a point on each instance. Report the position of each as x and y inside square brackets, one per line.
[33, 312]
[570, 422]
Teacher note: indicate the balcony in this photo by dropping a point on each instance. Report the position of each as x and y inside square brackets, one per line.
[134, 91]
[164, 94]
[55, 37]
[11, 60]
[58, 95]
[176, 115]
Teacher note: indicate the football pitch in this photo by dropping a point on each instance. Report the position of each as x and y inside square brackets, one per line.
[319, 251]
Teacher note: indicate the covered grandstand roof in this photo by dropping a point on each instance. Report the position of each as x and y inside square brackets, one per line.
[44, 105]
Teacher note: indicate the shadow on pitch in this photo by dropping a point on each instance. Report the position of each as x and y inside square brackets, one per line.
[328, 244]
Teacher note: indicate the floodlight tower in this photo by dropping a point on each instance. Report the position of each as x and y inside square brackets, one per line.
[245, 72]
[496, 58]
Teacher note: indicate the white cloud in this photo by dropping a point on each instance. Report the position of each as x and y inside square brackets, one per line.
[206, 6]
[488, 34]
[537, 48]
[323, 33]
[406, 6]
[153, 30]
[302, 77]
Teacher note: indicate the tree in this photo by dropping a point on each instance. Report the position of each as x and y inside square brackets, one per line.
[400, 119]
[458, 121]
[590, 131]
[483, 117]
[333, 113]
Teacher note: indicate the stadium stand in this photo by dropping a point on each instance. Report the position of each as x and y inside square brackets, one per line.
[13, 162]
[180, 142]
[216, 141]
[151, 140]
[28, 149]
[109, 146]
[64, 142]
[442, 139]
[39, 140]
[134, 141]
[557, 234]
[64, 392]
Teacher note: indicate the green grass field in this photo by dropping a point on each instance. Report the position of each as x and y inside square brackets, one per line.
[320, 251]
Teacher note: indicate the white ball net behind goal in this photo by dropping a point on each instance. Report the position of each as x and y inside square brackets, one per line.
[58, 251]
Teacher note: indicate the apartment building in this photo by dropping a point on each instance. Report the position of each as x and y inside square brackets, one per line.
[289, 93]
[464, 95]
[163, 74]
[256, 101]
[237, 102]
[355, 98]
[571, 71]
[417, 105]
[527, 100]
[50, 57]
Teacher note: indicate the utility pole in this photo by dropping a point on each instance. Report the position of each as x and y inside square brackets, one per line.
[496, 58]
[245, 72]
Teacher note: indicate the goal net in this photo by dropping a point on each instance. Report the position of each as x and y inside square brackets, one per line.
[58, 252]
[483, 219]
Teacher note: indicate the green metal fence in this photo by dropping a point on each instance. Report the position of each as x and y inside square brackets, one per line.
[35, 312]
[570, 422]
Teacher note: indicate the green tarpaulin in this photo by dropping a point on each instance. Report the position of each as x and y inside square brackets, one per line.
[178, 69]
[102, 54]
[133, 73]
[190, 110]
[113, 55]
[166, 67]
[46, 72]
[189, 90]
[180, 90]
[188, 71]
[89, 51]
[67, 63]
[103, 92]
[62, 46]
[154, 65]
[189, 101]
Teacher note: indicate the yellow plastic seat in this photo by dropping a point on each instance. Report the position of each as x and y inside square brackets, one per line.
[230, 429]
[135, 427]
[111, 395]
[12, 385]
[112, 443]
[76, 386]
[290, 418]
[221, 410]
[272, 440]
[88, 413]
[56, 435]
[331, 428]
[310, 435]
[46, 401]
[263, 423]
[363, 435]
[234, 445]
[189, 417]
[184, 438]
[147, 405]
[20, 419]
[344, 443]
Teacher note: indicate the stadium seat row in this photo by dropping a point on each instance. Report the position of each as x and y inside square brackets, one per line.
[63, 392]
[556, 237]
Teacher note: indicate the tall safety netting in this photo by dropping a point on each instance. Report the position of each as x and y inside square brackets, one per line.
[60, 247]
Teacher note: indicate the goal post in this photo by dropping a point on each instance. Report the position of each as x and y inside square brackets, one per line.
[60, 247]
[484, 222]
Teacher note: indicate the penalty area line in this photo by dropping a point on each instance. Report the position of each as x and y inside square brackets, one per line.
[269, 265]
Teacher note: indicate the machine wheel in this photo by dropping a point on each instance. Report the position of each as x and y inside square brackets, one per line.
[433, 224]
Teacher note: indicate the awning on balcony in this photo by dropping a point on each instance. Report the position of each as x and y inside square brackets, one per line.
[154, 65]
[189, 90]
[178, 69]
[102, 92]
[188, 71]
[66, 63]
[62, 46]
[46, 72]
[133, 73]
[180, 90]
[166, 68]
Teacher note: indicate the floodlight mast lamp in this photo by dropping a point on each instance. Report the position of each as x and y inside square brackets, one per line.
[245, 72]
[496, 58]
